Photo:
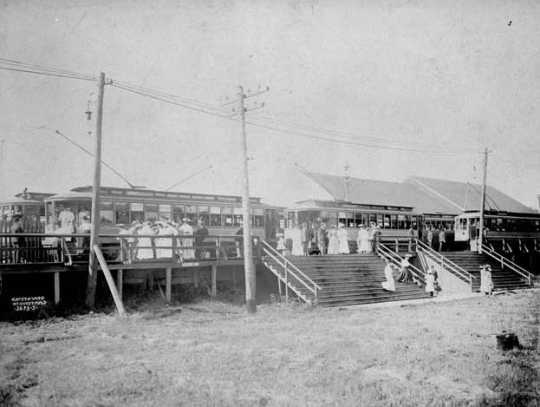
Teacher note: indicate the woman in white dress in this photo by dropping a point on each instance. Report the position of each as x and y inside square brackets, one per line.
[296, 236]
[144, 243]
[430, 281]
[186, 243]
[363, 240]
[333, 241]
[486, 279]
[343, 238]
[164, 244]
[389, 284]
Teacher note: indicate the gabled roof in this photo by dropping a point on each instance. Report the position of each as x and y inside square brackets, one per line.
[372, 192]
[467, 196]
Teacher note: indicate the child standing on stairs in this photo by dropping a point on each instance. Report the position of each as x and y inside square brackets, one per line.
[486, 280]
[430, 282]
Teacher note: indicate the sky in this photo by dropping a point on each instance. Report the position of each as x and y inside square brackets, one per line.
[418, 87]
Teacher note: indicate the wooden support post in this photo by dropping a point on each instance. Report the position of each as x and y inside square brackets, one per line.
[168, 283]
[120, 282]
[57, 287]
[110, 281]
[214, 280]
[279, 287]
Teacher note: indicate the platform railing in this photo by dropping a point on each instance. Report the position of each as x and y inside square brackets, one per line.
[399, 243]
[505, 262]
[387, 253]
[444, 262]
[26, 248]
[70, 249]
[290, 274]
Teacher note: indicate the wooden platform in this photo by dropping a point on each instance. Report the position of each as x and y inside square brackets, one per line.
[167, 269]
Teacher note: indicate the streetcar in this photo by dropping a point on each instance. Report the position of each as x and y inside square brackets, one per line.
[119, 207]
[498, 225]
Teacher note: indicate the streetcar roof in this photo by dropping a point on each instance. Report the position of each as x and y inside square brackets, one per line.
[467, 196]
[20, 202]
[381, 193]
[70, 196]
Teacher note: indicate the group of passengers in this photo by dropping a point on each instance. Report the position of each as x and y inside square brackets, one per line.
[162, 239]
[318, 239]
[435, 237]
[431, 280]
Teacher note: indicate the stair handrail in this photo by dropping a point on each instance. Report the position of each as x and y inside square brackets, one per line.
[504, 261]
[387, 253]
[284, 262]
[453, 267]
[285, 277]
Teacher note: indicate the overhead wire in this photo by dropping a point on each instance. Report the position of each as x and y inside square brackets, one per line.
[314, 133]
[13, 65]
[207, 109]
[158, 97]
[82, 148]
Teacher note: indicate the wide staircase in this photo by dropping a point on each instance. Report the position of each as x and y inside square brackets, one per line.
[504, 278]
[337, 280]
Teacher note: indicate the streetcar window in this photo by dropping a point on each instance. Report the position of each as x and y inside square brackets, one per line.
[258, 217]
[106, 214]
[372, 218]
[204, 214]
[215, 216]
[191, 213]
[151, 212]
[407, 219]
[346, 218]
[178, 213]
[122, 212]
[393, 221]
[380, 220]
[136, 211]
[401, 222]
[164, 212]
[537, 226]
[227, 216]
[360, 218]
[237, 216]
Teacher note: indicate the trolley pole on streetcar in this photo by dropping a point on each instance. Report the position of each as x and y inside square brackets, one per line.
[94, 231]
[249, 267]
[483, 203]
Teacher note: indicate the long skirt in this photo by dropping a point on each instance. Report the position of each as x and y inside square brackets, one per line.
[333, 245]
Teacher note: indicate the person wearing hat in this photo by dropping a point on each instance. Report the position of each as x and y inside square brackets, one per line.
[145, 248]
[333, 241]
[405, 275]
[430, 281]
[486, 279]
[343, 238]
[322, 238]
[17, 242]
[186, 243]
[362, 241]
[389, 284]
[200, 235]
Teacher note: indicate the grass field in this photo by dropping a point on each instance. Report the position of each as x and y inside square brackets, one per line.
[213, 354]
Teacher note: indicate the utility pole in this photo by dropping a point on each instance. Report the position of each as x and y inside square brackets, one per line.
[2, 166]
[483, 203]
[249, 267]
[95, 217]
